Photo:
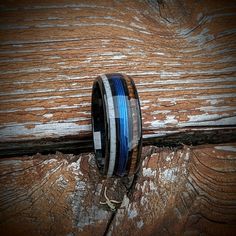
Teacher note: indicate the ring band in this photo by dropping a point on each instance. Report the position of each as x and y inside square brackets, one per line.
[117, 125]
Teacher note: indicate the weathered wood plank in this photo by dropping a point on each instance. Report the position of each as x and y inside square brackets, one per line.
[188, 191]
[182, 59]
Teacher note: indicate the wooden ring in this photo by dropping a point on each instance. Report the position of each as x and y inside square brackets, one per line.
[117, 125]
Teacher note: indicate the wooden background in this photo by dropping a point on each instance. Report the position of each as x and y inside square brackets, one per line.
[181, 55]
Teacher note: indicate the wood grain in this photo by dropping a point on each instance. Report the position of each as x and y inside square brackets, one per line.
[187, 191]
[182, 192]
[53, 195]
[180, 54]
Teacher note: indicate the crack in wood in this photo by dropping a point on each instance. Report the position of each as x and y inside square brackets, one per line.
[73, 144]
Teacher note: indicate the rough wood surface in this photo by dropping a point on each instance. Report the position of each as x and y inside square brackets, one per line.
[52, 195]
[185, 192]
[189, 191]
[181, 55]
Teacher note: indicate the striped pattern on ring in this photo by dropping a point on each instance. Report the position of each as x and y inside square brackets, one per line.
[121, 145]
[135, 136]
[123, 124]
[111, 125]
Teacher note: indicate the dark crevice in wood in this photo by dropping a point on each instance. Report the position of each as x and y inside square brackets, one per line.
[194, 137]
[76, 145]
[109, 223]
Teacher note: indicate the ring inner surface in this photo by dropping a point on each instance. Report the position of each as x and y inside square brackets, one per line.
[98, 125]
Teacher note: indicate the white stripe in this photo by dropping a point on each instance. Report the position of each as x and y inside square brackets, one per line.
[111, 115]
[97, 140]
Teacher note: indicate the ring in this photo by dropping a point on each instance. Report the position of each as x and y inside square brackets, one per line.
[116, 125]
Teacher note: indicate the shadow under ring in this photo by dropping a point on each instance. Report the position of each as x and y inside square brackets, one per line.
[116, 124]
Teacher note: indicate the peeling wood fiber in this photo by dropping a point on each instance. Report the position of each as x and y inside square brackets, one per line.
[181, 55]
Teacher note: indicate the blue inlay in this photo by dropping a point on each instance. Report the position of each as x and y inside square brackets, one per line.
[123, 124]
